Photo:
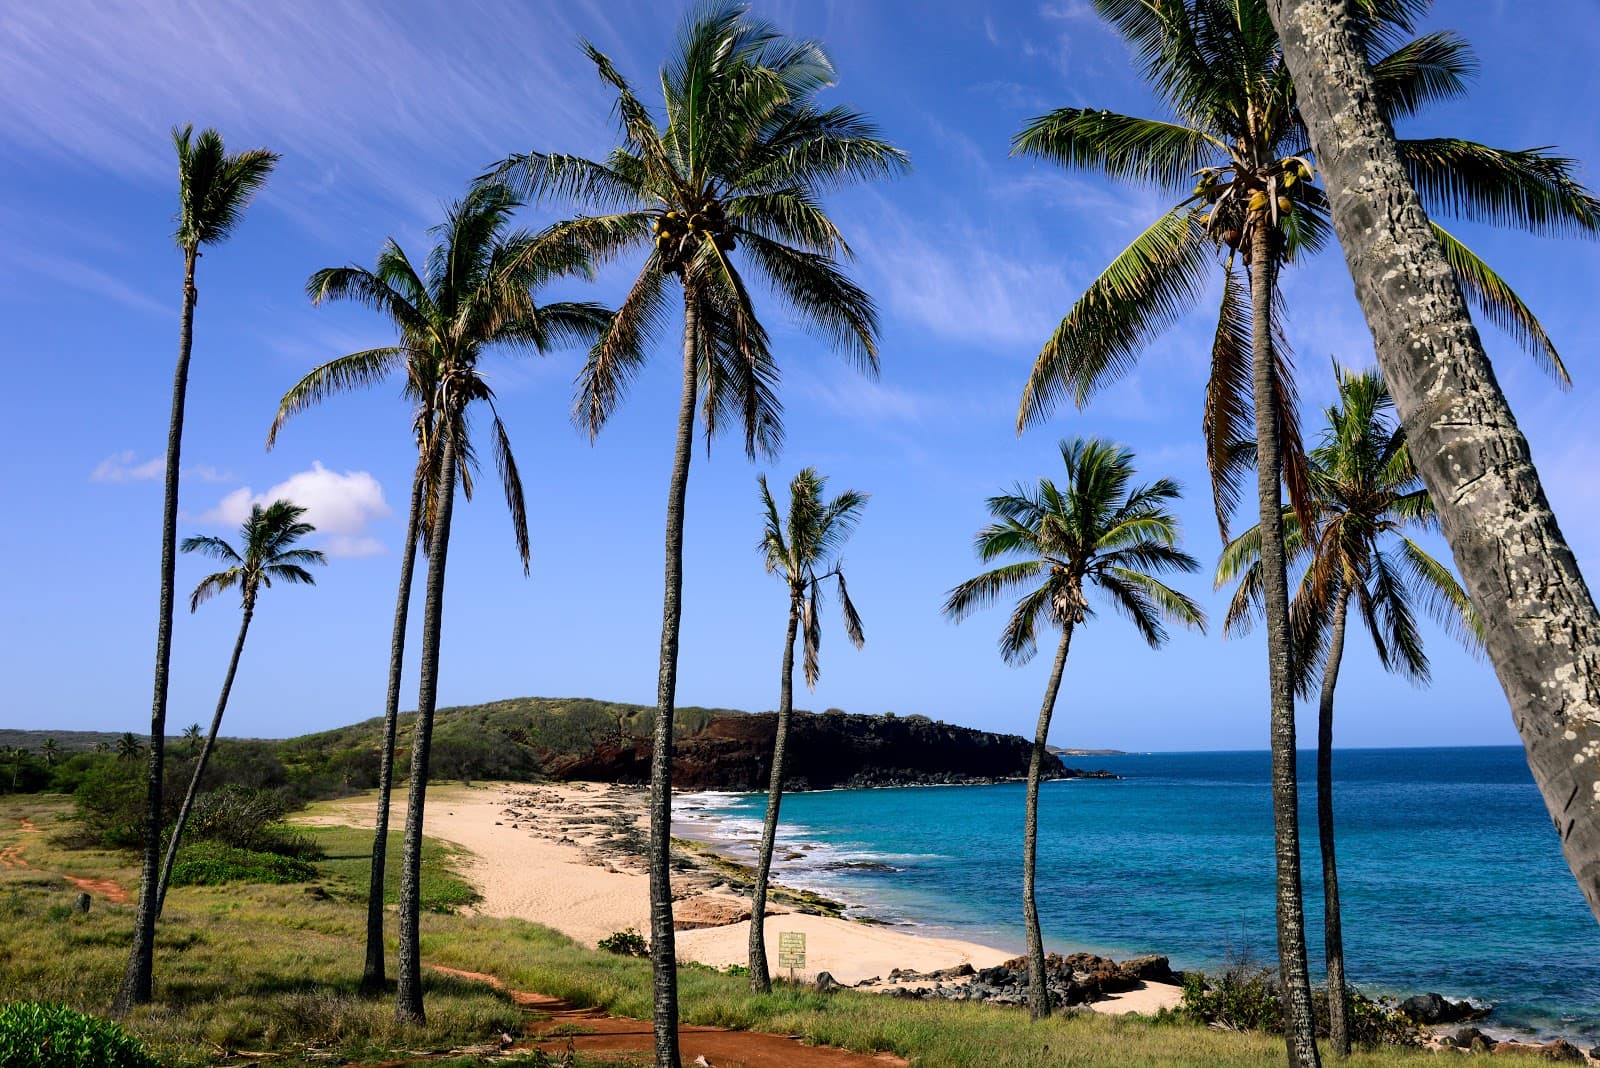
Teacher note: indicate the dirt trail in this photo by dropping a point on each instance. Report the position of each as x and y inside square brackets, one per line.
[721, 1048]
[11, 857]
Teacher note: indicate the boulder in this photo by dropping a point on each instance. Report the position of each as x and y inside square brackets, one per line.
[1472, 1039]
[82, 904]
[826, 983]
[1151, 969]
[1437, 1009]
[1562, 1050]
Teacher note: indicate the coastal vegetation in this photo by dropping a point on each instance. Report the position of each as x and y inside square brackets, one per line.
[715, 197]
[802, 550]
[1098, 532]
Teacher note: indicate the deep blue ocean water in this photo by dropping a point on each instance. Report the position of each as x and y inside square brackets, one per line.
[1450, 874]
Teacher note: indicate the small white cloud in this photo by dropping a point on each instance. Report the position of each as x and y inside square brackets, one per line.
[124, 466]
[340, 506]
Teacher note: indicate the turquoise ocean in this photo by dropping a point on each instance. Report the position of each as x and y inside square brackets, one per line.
[1450, 874]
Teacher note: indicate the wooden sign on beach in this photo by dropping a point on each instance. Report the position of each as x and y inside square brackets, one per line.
[791, 949]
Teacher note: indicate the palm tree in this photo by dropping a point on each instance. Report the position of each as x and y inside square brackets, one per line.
[102, 747]
[804, 552]
[268, 537]
[129, 747]
[741, 162]
[191, 737]
[1539, 620]
[1235, 127]
[49, 751]
[1364, 495]
[214, 188]
[1097, 530]
[475, 293]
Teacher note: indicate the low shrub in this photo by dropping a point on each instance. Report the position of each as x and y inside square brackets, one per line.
[628, 943]
[208, 863]
[37, 1034]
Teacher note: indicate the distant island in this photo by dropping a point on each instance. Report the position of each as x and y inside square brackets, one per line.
[528, 739]
[1056, 750]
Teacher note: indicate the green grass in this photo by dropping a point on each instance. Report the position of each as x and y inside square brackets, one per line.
[346, 865]
[205, 863]
[271, 968]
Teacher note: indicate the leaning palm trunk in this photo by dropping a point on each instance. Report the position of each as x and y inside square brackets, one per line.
[136, 981]
[663, 950]
[1541, 630]
[1333, 936]
[205, 755]
[1038, 992]
[760, 977]
[372, 972]
[1293, 972]
[408, 993]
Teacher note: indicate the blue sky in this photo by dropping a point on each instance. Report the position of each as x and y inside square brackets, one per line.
[383, 112]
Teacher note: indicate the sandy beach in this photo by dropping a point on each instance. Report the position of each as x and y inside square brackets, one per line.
[569, 856]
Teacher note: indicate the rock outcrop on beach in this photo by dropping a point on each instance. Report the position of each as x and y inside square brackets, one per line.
[733, 751]
[1074, 979]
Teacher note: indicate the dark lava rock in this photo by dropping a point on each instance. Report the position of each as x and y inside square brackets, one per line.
[1436, 1009]
[827, 983]
[1472, 1038]
[1152, 969]
[82, 904]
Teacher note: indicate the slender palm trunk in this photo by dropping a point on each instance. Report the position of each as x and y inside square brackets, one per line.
[1038, 993]
[760, 978]
[1542, 632]
[408, 992]
[663, 948]
[372, 973]
[1293, 972]
[205, 754]
[1333, 935]
[136, 980]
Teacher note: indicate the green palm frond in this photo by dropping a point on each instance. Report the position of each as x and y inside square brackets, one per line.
[618, 356]
[839, 309]
[1494, 298]
[1118, 146]
[1229, 418]
[339, 375]
[268, 535]
[1428, 69]
[505, 463]
[1144, 291]
[1529, 188]
[215, 187]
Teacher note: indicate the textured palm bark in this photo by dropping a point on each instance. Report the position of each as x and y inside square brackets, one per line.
[205, 754]
[372, 972]
[760, 976]
[1038, 993]
[408, 988]
[1293, 973]
[1332, 929]
[137, 979]
[663, 947]
[1541, 630]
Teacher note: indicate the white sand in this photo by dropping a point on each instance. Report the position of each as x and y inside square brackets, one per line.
[550, 864]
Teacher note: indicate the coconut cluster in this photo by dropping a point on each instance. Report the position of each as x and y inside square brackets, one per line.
[679, 233]
[1239, 201]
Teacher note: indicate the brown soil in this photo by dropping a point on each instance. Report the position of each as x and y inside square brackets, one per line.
[11, 857]
[721, 1048]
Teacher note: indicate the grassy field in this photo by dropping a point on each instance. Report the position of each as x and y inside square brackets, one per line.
[275, 969]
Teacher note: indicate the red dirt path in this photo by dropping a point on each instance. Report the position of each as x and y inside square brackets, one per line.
[720, 1047]
[11, 857]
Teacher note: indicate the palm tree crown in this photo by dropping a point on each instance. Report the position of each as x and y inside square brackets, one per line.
[476, 291]
[213, 187]
[804, 552]
[1097, 531]
[1365, 494]
[728, 183]
[1236, 153]
[268, 536]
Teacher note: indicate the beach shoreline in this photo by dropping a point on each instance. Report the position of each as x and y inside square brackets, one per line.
[570, 856]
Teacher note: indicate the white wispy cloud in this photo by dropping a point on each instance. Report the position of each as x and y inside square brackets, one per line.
[125, 466]
[341, 506]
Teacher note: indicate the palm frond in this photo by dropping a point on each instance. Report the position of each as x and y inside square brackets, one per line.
[1119, 146]
[1494, 298]
[1425, 70]
[1528, 188]
[366, 368]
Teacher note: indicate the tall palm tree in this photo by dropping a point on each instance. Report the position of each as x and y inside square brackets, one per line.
[214, 187]
[803, 551]
[476, 292]
[1365, 495]
[191, 738]
[1539, 619]
[49, 751]
[1236, 133]
[1098, 531]
[740, 163]
[268, 536]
